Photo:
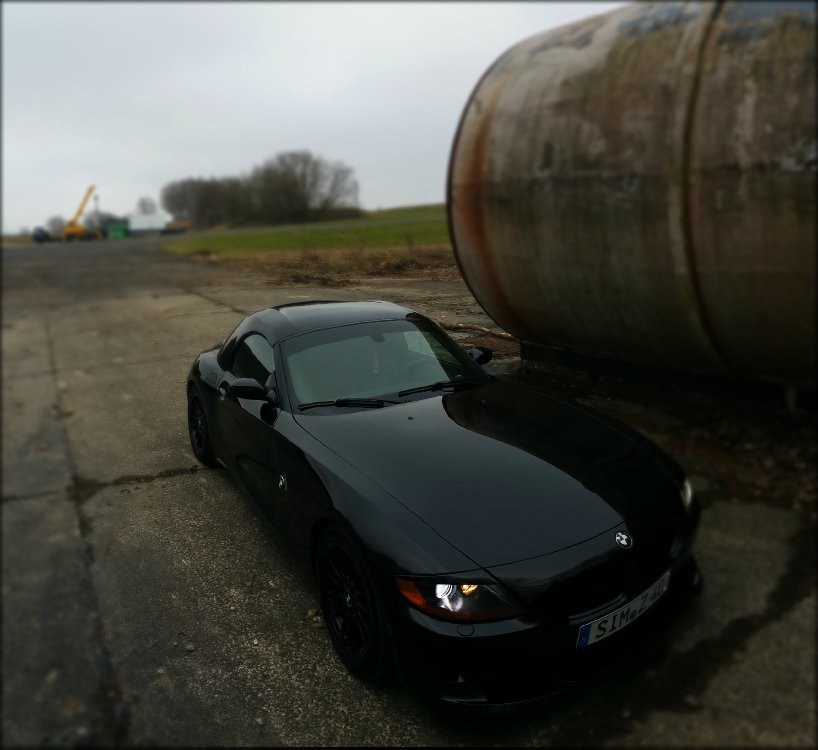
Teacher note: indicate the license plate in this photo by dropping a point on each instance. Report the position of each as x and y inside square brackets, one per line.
[591, 632]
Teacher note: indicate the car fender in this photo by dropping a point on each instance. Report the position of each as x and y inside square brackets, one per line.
[397, 541]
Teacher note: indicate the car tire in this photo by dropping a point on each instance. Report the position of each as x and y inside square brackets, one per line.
[198, 429]
[353, 609]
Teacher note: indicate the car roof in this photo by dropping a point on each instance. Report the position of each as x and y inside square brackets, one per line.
[290, 319]
[283, 321]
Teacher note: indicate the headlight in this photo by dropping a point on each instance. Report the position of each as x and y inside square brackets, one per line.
[456, 600]
[687, 494]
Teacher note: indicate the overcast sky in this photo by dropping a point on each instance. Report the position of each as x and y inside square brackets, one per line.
[130, 96]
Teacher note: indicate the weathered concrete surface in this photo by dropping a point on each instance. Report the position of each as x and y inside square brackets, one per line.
[145, 602]
[55, 676]
[34, 451]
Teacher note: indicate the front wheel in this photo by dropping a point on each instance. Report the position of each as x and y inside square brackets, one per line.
[198, 429]
[353, 611]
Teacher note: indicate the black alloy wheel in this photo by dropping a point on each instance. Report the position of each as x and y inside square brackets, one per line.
[352, 608]
[198, 430]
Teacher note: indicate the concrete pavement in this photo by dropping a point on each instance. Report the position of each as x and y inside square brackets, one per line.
[145, 602]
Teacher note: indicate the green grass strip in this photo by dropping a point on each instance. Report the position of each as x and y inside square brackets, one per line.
[391, 228]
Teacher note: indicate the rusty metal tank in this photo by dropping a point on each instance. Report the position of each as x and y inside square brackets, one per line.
[641, 185]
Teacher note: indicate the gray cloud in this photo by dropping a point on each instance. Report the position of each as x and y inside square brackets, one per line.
[130, 96]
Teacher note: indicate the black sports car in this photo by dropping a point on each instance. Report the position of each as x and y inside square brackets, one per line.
[489, 543]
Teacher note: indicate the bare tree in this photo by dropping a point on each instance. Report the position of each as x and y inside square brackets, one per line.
[338, 188]
[146, 205]
[54, 225]
[178, 198]
[295, 186]
[298, 186]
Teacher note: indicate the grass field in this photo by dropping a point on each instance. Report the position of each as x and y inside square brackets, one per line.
[17, 239]
[406, 242]
[408, 228]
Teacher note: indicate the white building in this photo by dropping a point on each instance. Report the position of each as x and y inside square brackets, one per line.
[147, 223]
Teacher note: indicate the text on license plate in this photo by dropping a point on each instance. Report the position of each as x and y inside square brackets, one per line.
[591, 632]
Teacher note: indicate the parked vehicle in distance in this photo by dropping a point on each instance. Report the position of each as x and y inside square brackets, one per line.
[488, 543]
[40, 235]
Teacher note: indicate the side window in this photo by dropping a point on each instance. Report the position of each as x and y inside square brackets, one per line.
[422, 342]
[254, 359]
[416, 342]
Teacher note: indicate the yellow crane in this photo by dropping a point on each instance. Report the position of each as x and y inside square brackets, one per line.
[73, 230]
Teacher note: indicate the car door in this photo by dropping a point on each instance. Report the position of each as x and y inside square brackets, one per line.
[248, 427]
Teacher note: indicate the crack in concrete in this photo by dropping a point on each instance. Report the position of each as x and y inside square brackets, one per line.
[113, 723]
[196, 293]
[135, 363]
[83, 488]
[28, 496]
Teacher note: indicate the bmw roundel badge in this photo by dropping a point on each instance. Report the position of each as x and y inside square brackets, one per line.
[624, 540]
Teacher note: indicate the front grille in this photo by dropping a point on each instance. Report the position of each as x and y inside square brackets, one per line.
[652, 554]
[615, 576]
[587, 590]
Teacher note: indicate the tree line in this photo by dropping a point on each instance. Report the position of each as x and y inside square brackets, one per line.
[292, 187]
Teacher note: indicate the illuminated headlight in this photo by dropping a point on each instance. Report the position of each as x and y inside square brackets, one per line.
[450, 600]
[687, 494]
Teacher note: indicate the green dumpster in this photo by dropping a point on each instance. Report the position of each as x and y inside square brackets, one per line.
[117, 230]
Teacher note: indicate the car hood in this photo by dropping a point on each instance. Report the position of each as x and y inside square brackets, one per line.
[501, 472]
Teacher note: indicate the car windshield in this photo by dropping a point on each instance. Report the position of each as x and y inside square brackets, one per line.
[374, 361]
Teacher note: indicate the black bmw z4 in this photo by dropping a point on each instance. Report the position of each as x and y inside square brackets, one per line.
[487, 543]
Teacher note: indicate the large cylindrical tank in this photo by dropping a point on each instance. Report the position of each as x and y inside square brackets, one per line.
[641, 184]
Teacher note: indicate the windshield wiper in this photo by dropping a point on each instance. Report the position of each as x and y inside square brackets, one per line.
[376, 403]
[440, 385]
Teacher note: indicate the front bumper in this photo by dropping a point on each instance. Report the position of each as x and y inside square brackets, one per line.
[519, 661]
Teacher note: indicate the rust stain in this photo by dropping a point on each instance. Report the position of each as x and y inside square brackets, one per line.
[689, 195]
[722, 166]
[472, 208]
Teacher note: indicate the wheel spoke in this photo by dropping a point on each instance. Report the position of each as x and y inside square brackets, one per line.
[363, 625]
[348, 605]
[335, 580]
[197, 425]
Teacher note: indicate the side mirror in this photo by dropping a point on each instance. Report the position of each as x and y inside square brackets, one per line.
[269, 409]
[249, 389]
[480, 354]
